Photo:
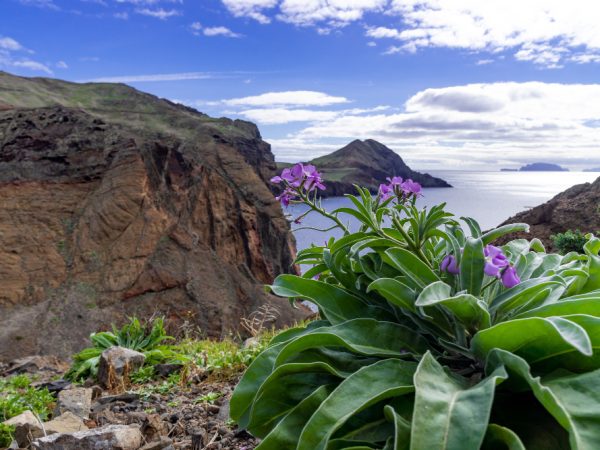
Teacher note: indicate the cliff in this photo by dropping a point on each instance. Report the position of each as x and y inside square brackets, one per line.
[115, 203]
[366, 163]
[577, 208]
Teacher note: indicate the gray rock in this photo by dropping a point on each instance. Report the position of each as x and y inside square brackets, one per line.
[116, 363]
[113, 437]
[163, 444]
[75, 400]
[65, 423]
[27, 427]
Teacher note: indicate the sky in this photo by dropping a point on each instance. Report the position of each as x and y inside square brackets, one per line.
[447, 84]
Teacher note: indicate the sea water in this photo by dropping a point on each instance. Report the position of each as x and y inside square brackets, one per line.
[488, 197]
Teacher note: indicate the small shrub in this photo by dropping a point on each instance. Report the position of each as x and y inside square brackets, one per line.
[143, 375]
[569, 241]
[145, 338]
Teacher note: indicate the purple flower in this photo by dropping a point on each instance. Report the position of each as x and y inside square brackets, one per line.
[510, 278]
[411, 187]
[385, 191]
[449, 264]
[313, 178]
[300, 176]
[286, 197]
[395, 181]
[276, 180]
[495, 261]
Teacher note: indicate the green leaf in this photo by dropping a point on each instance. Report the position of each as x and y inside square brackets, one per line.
[591, 248]
[411, 266]
[471, 267]
[434, 293]
[336, 304]
[497, 233]
[395, 292]
[551, 342]
[449, 414]
[585, 304]
[520, 296]
[469, 310]
[473, 227]
[362, 336]
[285, 435]
[401, 439]
[383, 380]
[501, 438]
[573, 400]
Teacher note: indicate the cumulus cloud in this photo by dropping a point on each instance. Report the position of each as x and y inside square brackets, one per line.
[287, 98]
[473, 125]
[253, 9]
[159, 13]
[15, 55]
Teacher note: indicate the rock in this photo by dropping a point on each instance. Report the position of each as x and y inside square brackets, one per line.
[65, 423]
[154, 427]
[54, 387]
[27, 427]
[131, 205]
[116, 363]
[163, 444]
[164, 370]
[577, 208]
[44, 367]
[75, 400]
[112, 437]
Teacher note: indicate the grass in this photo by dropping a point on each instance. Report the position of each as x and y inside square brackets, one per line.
[17, 396]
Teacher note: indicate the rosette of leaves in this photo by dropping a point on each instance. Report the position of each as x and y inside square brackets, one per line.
[407, 356]
[148, 338]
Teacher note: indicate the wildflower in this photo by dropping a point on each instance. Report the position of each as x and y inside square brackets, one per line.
[395, 181]
[410, 187]
[300, 176]
[495, 261]
[312, 178]
[286, 197]
[449, 264]
[510, 278]
[385, 191]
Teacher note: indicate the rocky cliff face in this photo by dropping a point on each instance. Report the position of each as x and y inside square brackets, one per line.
[577, 208]
[103, 217]
[366, 163]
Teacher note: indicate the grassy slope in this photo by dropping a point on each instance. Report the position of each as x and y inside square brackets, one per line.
[117, 103]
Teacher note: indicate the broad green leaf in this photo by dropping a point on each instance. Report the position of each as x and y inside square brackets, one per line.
[573, 400]
[434, 293]
[501, 438]
[449, 414]
[395, 292]
[285, 435]
[471, 267]
[592, 248]
[411, 266]
[570, 342]
[363, 336]
[401, 440]
[468, 309]
[385, 379]
[520, 296]
[473, 227]
[336, 304]
[588, 304]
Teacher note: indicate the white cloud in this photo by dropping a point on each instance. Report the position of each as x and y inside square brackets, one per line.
[121, 15]
[153, 77]
[545, 32]
[271, 116]
[7, 43]
[32, 65]
[220, 31]
[473, 125]
[158, 13]
[287, 98]
[62, 65]
[253, 9]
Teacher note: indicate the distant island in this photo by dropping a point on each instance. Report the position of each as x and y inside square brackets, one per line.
[543, 167]
[538, 167]
[366, 163]
[595, 169]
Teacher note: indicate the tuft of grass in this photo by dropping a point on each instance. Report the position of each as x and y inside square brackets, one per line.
[209, 398]
[17, 396]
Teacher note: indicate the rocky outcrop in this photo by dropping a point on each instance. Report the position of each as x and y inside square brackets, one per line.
[366, 163]
[577, 208]
[106, 212]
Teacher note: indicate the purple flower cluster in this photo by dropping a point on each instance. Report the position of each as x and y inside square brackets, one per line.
[399, 187]
[298, 178]
[496, 265]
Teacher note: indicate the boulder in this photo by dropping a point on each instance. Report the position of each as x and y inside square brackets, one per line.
[116, 363]
[77, 401]
[27, 427]
[65, 423]
[112, 437]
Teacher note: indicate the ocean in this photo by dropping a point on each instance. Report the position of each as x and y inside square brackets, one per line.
[488, 197]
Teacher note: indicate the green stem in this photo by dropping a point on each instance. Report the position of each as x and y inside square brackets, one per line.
[321, 211]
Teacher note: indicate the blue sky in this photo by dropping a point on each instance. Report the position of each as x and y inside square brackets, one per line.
[446, 84]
